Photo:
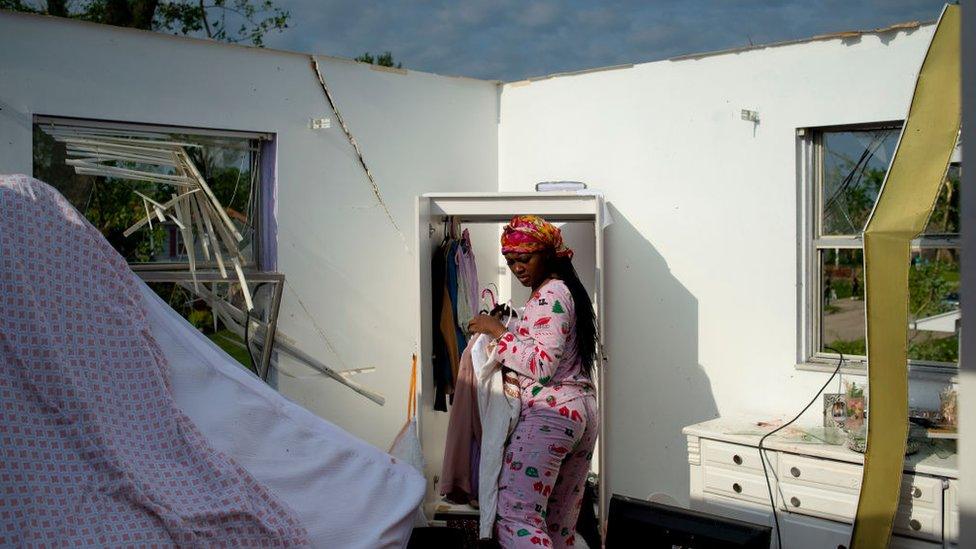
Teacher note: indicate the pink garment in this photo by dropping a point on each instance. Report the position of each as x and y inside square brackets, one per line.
[540, 488]
[549, 453]
[541, 349]
[462, 447]
[93, 449]
[467, 281]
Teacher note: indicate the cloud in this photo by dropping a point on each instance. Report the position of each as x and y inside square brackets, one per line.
[510, 39]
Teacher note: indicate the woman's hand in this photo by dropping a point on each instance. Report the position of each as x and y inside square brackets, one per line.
[485, 324]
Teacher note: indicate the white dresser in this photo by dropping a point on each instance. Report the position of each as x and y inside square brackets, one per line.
[816, 487]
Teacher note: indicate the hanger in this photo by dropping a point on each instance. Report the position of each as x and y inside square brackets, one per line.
[446, 234]
[451, 226]
[455, 227]
[512, 313]
[487, 306]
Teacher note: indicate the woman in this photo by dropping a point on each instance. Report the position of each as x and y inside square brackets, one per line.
[551, 349]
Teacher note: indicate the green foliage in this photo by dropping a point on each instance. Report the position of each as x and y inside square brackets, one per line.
[201, 319]
[859, 200]
[224, 20]
[844, 288]
[936, 349]
[852, 347]
[384, 59]
[945, 216]
[928, 286]
[112, 207]
[943, 349]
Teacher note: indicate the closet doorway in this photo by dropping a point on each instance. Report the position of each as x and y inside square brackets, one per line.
[581, 218]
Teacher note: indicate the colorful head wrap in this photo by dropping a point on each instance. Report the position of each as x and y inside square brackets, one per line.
[526, 234]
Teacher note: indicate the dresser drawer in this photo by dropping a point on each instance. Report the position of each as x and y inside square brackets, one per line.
[821, 472]
[952, 511]
[817, 502]
[735, 456]
[921, 491]
[742, 485]
[919, 522]
[912, 520]
[916, 490]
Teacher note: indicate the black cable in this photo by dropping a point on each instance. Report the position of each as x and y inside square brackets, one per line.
[762, 458]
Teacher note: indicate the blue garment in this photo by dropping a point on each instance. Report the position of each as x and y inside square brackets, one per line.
[452, 290]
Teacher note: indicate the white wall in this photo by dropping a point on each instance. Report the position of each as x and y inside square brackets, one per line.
[340, 253]
[701, 263]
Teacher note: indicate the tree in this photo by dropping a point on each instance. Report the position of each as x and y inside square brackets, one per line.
[216, 18]
[384, 59]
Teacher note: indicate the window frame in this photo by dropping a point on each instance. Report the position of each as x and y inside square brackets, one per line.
[810, 175]
[260, 189]
[264, 191]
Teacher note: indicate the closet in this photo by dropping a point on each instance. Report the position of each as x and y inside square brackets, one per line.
[484, 214]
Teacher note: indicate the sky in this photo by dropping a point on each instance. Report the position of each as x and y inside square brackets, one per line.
[510, 40]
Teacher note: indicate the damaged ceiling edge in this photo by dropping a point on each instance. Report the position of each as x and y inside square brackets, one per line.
[897, 27]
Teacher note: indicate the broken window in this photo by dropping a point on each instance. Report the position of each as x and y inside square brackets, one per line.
[848, 169]
[230, 164]
[125, 199]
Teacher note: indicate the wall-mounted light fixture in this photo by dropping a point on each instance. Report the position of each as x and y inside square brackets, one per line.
[320, 123]
[550, 186]
[750, 116]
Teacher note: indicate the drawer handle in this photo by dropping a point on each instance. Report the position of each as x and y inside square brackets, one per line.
[915, 524]
[737, 488]
[737, 459]
[795, 472]
[917, 492]
[795, 501]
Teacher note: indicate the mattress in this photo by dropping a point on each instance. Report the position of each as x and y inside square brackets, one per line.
[347, 492]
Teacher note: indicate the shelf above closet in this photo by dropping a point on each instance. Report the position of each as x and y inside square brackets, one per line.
[493, 207]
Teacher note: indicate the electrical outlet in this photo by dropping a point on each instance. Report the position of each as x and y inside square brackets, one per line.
[321, 123]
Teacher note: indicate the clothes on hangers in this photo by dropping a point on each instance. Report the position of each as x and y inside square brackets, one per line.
[462, 446]
[467, 282]
[443, 333]
[454, 287]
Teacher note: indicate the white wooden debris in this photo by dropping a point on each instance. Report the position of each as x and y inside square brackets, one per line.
[194, 208]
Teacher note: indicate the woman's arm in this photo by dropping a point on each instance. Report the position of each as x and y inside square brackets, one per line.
[535, 350]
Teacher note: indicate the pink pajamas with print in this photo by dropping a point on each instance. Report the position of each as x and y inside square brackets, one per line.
[548, 455]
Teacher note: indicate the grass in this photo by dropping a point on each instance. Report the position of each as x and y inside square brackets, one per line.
[850, 347]
[237, 351]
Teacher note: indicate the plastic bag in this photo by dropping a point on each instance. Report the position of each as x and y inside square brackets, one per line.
[406, 446]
